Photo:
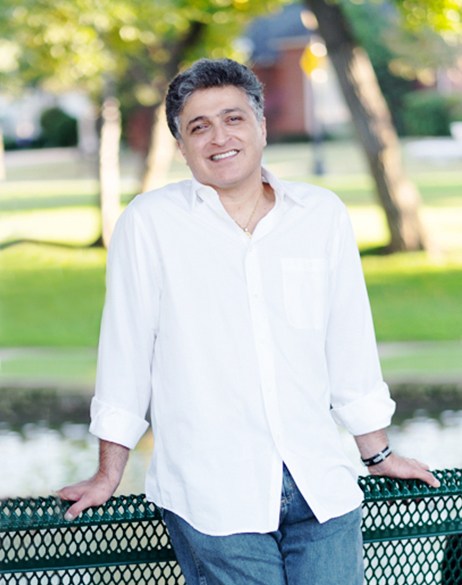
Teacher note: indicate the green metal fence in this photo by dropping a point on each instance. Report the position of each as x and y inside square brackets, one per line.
[412, 535]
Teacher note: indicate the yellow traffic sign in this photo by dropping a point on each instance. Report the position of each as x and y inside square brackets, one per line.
[313, 57]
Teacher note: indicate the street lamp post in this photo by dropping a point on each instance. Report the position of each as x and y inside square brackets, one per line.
[312, 63]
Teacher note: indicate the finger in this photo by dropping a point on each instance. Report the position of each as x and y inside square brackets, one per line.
[86, 501]
[426, 475]
[64, 493]
[71, 492]
[73, 512]
[422, 473]
[431, 480]
[421, 465]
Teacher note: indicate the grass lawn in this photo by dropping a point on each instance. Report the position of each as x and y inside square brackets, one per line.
[413, 298]
[50, 296]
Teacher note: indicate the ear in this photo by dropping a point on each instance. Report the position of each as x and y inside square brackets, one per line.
[181, 147]
[263, 130]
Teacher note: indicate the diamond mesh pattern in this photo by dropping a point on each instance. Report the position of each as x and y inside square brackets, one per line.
[428, 560]
[412, 535]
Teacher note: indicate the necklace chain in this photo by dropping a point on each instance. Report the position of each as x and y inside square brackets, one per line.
[245, 228]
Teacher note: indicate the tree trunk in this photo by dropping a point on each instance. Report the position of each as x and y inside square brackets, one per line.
[109, 168]
[161, 151]
[398, 196]
[162, 144]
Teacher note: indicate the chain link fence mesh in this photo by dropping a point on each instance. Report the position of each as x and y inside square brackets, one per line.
[412, 535]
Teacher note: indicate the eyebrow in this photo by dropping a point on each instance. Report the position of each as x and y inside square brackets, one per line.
[222, 113]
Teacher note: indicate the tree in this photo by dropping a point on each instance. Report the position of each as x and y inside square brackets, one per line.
[371, 117]
[8, 64]
[398, 196]
[373, 24]
[139, 46]
[109, 171]
[61, 47]
[162, 144]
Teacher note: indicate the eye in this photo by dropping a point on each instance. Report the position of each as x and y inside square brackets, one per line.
[234, 119]
[197, 128]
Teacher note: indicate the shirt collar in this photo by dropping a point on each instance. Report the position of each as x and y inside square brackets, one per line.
[282, 189]
[200, 192]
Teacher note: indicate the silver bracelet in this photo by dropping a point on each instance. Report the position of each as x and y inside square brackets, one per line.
[378, 458]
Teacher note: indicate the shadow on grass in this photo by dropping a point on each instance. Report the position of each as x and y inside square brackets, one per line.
[98, 243]
[384, 250]
[40, 203]
[44, 202]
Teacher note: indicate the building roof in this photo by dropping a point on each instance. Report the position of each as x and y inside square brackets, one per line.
[266, 33]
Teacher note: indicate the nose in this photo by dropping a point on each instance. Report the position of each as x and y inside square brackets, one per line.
[219, 135]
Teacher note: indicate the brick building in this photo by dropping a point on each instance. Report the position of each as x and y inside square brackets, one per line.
[297, 105]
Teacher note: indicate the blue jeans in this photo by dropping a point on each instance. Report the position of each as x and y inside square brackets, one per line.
[301, 552]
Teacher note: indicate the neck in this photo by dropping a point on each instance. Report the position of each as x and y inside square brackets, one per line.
[241, 198]
[247, 208]
[242, 194]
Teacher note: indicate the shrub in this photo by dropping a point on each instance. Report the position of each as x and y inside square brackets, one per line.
[58, 128]
[429, 113]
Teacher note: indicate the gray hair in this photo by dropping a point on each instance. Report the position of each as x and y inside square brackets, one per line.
[207, 73]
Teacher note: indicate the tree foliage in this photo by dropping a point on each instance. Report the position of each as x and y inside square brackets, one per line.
[444, 16]
[83, 42]
[116, 48]
[402, 53]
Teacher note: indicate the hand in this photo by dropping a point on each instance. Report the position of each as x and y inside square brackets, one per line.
[99, 488]
[399, 467]
[91, 492]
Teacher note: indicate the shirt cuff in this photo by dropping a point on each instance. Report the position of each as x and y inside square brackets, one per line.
[115, 424]
[367, 414]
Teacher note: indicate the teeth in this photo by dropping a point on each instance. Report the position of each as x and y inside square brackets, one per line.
[224, 155]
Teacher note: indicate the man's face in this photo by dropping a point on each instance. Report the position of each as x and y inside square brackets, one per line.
[221, 139]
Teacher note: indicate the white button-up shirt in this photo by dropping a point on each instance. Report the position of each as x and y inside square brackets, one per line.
[247, 351]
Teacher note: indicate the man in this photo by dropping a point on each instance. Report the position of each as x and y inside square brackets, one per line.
[236, 309]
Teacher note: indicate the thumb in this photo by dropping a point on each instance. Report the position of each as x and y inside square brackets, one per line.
[432, 481]
[77, 508]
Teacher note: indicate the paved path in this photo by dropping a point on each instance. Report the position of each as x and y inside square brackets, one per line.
[427, 362]
[424, 361]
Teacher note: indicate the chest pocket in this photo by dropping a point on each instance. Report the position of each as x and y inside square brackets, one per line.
[305, 292]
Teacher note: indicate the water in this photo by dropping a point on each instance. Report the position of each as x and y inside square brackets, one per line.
[36, 459]
[435, 440]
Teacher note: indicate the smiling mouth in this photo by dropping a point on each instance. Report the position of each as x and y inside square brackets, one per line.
[224, 155]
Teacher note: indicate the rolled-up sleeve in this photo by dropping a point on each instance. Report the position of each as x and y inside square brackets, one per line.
[360, 399]
[128, 333]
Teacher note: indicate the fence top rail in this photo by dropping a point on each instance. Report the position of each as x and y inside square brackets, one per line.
[385, 488]
[48, 512]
